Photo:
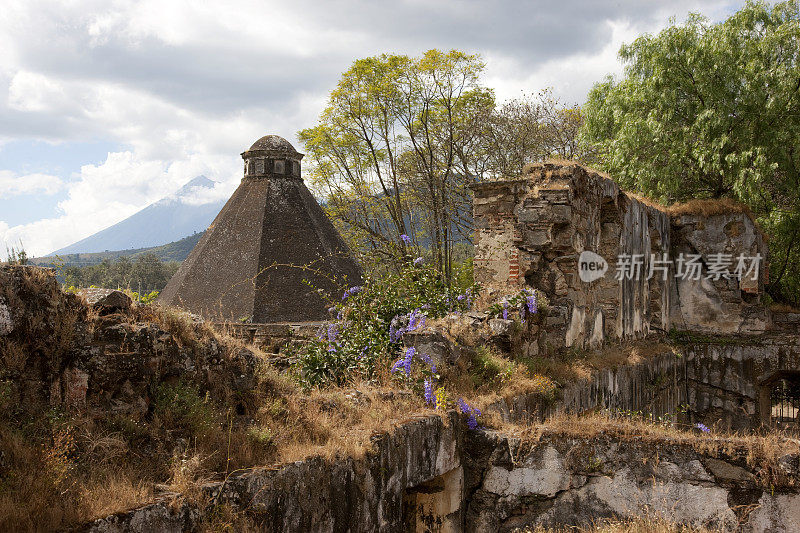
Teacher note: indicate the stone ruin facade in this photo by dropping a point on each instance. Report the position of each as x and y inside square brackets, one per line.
[531, 232]
[270, 252]
[738, 363]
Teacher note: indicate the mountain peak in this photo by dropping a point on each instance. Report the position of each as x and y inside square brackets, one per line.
[198, 181]
[188, 210]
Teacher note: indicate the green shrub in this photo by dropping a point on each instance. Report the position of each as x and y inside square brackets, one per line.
[180, 407]
[260, 435]
[488, 367]
[371, 320]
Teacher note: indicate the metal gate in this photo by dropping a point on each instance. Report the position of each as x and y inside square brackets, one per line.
[784, 402]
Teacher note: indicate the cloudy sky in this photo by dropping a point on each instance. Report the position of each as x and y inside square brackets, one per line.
[109, 105]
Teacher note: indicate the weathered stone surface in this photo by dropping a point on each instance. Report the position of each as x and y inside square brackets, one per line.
[159, 517]
[537, 476]
[434, 343]
[558, 211]
[42, 328]
[347, 494]
[728, 382]
[500, 327]
[779, 513]
[725, 472]
[6, 322]
[625, 496]
[719, 305]
[122, 365]
[564, 481]
[530, 232]
[428, 475]
[106, 300]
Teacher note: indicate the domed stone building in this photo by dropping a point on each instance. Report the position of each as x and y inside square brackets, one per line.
[270, 251]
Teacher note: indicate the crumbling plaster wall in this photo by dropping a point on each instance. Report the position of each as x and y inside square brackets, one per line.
[561, 480]
[531, 232]
[719, 305]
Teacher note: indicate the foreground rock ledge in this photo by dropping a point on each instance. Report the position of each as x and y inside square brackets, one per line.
[432, 474]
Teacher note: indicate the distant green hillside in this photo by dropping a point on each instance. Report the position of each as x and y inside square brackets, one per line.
[173, 251]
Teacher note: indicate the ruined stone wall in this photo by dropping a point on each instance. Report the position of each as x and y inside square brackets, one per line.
[411, 480]
[722, 382]
[654, 388]
[532, 231]
[724, 305]
[576, 481]
[728, 380]
[53, 355]
[435, 476]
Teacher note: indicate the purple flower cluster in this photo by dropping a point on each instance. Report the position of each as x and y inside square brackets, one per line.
[466, 298]
[531, 305]
[405, 361]
[702, 427]
[405, 238]
[472, 413]
[351, 291]
[418, 261]
[333, 331]
[428, 361]
[402, 324]
[430, 394]
[505, 309]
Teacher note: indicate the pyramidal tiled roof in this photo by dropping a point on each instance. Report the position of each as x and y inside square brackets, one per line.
[266, 256]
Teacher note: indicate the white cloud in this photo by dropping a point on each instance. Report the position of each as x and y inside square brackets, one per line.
[102, 195]
[13, 185]
[31, 91]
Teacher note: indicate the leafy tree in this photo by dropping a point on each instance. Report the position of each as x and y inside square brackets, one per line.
[397, 132]
[710, 111]
[532, 128]
[144, 275]
[402, 138]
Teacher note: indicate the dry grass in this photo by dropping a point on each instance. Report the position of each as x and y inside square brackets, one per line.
[648, 523]
[111, 492]
[783, 308]
[571, 365]
[64, 469]
[556, 167]
[759, 451]
[708, 207]
[68, 470]
[647, 201]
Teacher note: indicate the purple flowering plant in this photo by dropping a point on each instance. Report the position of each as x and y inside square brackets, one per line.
[525, 303]
[370, 322]
[472, 413]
